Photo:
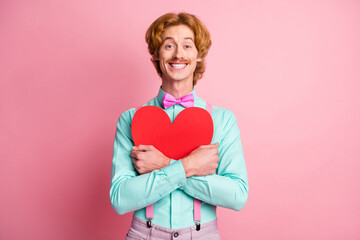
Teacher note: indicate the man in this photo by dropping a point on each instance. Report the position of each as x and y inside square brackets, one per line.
[215, 174]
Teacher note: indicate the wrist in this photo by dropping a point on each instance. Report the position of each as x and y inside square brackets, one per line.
[167, 161]
[189, 171]
[163, 162]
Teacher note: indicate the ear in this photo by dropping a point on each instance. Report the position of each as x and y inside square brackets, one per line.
[199, 59]
[155, 56]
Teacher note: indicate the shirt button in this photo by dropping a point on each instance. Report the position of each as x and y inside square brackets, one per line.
[176, 234]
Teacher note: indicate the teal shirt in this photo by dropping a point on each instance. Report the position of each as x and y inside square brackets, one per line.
[168, 188]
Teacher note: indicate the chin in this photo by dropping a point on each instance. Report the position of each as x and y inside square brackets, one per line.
[178, 79]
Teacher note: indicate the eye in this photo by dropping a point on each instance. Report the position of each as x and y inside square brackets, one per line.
[169, 46]
[187, 46]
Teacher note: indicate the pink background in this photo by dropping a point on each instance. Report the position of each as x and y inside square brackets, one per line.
[289, 70]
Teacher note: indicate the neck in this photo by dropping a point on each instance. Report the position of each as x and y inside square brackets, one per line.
[178, 89]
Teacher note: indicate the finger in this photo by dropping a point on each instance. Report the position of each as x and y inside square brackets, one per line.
[143, 147]
[134, 153]
[135, 148]
[216, 144]
[137, 155]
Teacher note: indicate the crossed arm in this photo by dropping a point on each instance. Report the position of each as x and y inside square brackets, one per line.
[201, 162]
[214, 173]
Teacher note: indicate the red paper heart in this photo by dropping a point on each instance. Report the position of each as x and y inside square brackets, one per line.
[191, 128]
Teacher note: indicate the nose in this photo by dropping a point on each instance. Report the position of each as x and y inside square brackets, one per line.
[178, 53]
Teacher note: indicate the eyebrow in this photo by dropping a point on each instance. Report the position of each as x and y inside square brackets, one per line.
[171, 38]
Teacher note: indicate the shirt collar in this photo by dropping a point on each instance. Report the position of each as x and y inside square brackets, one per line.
[161, 94]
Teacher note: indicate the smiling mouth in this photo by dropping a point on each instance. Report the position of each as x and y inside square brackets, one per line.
[178, 66]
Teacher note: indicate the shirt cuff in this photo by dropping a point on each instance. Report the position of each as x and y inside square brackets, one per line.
[175, 173]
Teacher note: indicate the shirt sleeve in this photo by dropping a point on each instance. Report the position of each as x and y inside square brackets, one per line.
[130, 191]
[229, 187]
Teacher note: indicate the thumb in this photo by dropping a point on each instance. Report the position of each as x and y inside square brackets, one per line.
[215, 145]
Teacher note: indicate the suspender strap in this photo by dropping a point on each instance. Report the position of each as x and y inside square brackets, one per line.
[209, 108]
[149, 215]
[197, 202]
[197, 213]
[150, 211]
[197, 210]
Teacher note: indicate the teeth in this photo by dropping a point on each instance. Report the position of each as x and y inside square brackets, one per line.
[178, 66]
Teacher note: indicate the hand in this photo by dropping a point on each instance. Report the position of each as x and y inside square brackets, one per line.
[202, 161]
[147, 158]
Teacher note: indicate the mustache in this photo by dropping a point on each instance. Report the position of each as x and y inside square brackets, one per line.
[179, 61]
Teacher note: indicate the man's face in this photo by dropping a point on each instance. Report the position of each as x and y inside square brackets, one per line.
[178, 54]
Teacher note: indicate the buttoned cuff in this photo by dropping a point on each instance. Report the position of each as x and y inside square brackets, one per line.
[175, 173]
